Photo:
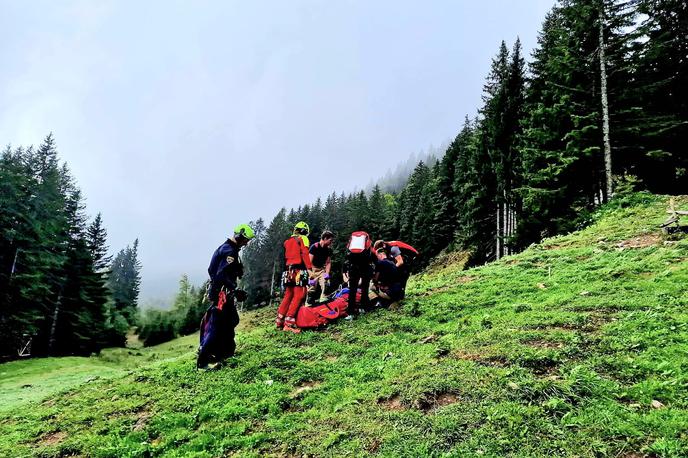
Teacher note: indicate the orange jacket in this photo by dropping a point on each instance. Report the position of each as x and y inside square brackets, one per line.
[296, 253]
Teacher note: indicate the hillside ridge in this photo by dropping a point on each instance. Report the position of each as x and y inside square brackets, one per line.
[574, 347]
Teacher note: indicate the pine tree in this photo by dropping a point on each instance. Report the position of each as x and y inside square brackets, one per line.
[660, 89]
[124, 282]
[96, 236]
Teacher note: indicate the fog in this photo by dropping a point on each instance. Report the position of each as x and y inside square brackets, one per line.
[180, 120]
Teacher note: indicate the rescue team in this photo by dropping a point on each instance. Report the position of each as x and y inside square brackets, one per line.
[306, 276]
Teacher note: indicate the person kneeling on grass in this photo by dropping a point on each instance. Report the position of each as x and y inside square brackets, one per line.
[387, 281]
[321, 257]
[295, 277]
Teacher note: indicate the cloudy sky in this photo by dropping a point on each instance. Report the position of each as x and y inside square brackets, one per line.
[181, 119]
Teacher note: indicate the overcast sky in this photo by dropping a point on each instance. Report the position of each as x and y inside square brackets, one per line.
[180, 119]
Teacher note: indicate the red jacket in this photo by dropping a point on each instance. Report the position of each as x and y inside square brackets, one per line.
[296, 253]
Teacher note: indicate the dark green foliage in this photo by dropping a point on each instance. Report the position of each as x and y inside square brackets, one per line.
[158, 326]
[124, 282]
[190, 303]
[53, 264]
[531, 164]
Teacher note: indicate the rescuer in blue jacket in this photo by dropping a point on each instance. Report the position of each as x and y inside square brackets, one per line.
[218, 324]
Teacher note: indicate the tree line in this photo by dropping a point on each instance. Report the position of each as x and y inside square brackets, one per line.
[60, 292]
[600, 109]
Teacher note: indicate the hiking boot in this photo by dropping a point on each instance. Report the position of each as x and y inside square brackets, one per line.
[291, 327]
[279, 322]
[210, 367]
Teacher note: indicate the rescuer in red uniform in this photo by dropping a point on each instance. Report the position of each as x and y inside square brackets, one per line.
[295, 277]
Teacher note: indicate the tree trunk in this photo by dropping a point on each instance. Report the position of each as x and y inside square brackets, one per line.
[272, 282]
[499, 248]
[605, 108]
[505, 218]
[53, 326]
[14, 263]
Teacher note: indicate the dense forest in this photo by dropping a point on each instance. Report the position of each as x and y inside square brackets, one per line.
[600, 109]
[60, 292]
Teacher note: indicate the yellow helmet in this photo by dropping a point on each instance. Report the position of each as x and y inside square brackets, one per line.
[245, 231]
[302, 228]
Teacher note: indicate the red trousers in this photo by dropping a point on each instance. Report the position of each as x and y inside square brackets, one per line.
[294, 297]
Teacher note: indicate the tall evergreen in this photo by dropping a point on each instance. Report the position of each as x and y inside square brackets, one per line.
[125, 281]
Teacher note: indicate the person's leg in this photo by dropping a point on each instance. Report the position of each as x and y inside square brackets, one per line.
[313, 289]
[323, 285]
[353, 288]
[365, 298]
[284, 306]
[232, 321]
[296, 302]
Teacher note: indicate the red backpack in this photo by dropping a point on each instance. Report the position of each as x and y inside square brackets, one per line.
[359, 242]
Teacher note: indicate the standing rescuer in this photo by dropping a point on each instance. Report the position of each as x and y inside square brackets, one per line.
[358, 268]
[295, 278]
[217, 328]
[321, 258]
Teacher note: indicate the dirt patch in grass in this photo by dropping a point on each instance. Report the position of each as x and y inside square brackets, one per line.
[555, 246]
[436, 400]
[541, 343]
[394, 403]
[566, 327]
[304, 388]
[456, 259]
[374, 445]
[596, 320]
[541, 366]
[142, 418]
[483, 360]
[642, 241]
[52, 439]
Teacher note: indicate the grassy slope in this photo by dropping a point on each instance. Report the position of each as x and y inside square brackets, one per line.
[559, 351]
[26, 381]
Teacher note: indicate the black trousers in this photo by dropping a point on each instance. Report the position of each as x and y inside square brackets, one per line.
[230, 318]
[364, 277]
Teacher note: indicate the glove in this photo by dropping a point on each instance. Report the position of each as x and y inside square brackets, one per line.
[240, 270]
[311, 282]
[240, 295]
[327, 276]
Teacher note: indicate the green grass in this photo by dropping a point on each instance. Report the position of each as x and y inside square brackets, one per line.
[32, 380]
[575, 347]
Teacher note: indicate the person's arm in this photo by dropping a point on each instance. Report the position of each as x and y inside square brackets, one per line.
[227, 272]
[306, 257]
[399, 261]
[328, 265]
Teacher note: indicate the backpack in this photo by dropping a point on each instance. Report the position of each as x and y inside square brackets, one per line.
[209, 342]
[359, 242]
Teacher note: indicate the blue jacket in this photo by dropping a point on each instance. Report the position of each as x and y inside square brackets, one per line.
[225, 267]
